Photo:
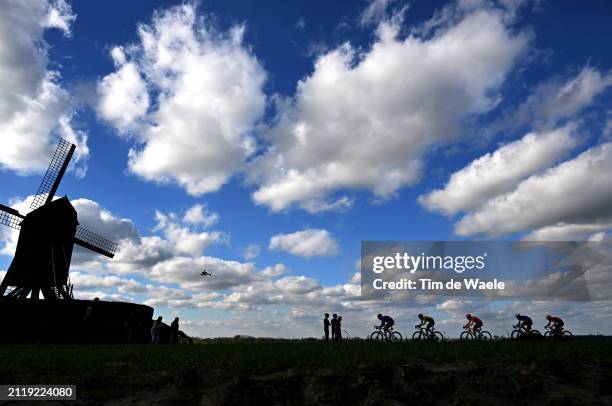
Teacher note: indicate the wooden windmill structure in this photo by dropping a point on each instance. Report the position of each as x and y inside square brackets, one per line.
[47, 235]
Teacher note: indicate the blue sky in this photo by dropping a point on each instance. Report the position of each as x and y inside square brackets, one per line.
[294, 130]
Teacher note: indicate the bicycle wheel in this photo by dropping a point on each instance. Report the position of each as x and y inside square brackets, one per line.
[395, 337]
[536, 334]
[485, 336]
[377, 336]
[548, 334]
[516, 334]
[418, 335]
[437, 336]
[567, 334]
[466, 335]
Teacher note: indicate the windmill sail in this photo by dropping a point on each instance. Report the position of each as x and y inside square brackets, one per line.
[10, 217]
[94, 242]
[54, 174]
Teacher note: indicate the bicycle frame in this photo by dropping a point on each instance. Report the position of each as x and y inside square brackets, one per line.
[476, 334]
[522, 329]
[386, 333]
[470, 333]
[426, 332]
[554, 331]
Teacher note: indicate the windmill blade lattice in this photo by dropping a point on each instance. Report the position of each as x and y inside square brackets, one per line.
[54, 174]
[94, 242]
[10, 217]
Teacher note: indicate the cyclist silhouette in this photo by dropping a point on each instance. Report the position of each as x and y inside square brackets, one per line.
[426, 320]
[557, 323]
[524, 321]
[474, 322]
[386, 322]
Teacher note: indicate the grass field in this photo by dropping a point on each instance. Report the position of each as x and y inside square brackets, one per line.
[356, 372]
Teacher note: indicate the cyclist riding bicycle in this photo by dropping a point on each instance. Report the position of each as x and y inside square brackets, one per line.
[524, 321]
[473, 321]
[557, 323]
[426, 320]
[386, 322]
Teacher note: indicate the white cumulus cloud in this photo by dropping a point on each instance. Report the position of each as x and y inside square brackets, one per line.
[190, 97]
[306, 243]
[34, 107]
[577, 191]
[499, 172]
[124, 93]
[185, 239]
[363, 120]
[198, 214]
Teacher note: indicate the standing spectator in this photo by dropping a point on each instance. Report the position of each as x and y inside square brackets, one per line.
[334, 326]
[90, 311]
[326, 326]
[174, 330]
[155, 330]
[339, 329]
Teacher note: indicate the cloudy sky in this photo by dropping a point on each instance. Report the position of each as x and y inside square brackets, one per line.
[264, 140]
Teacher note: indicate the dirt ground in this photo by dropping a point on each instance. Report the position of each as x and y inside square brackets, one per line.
[425, 383]
[429, 383]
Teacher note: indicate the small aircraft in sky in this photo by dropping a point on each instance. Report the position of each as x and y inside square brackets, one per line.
[206, 273]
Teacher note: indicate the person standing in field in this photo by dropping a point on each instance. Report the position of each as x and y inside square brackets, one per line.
[334, 326]
[339, 329]
[174, 326]
[90, 313]
[326, 324]
[155, 330]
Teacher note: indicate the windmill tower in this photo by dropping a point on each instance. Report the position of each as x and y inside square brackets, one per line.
[46, 238]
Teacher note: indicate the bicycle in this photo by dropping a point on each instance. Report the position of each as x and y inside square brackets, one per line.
[521, 332]
[470, 334]
[381, 335]
[560, 333]
[423, 334]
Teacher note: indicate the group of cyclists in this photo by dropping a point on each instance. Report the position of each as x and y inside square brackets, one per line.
[474, 324]
[554, 323]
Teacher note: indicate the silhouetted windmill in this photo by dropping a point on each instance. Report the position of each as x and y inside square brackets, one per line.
[46, 238]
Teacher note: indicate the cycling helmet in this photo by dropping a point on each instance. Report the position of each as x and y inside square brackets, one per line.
[379, 316]
[517, 315]
[468, 316]
[420, 316]
[326, 314]
[548, 317]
